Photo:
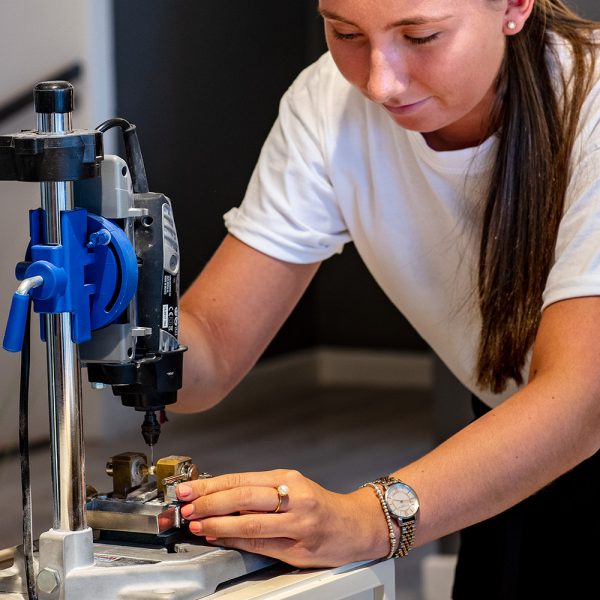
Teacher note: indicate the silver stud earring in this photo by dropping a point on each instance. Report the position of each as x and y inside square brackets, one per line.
[511, 25]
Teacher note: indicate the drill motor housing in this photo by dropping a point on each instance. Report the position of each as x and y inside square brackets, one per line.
[139, 354]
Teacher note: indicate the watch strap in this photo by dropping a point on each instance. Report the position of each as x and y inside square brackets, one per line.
[387, 481]
[407, 528]
[407, 539]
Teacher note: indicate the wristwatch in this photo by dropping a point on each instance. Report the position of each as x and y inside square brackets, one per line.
[403, 506]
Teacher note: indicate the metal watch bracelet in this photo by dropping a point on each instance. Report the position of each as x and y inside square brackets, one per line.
[407, 539]
[407, 528]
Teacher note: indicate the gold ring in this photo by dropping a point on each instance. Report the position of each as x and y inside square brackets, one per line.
[282, 492]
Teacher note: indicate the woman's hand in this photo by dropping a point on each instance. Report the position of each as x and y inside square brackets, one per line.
[312, 528]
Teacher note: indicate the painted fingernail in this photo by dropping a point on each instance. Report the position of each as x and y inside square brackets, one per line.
[184, 490]
[187, 511]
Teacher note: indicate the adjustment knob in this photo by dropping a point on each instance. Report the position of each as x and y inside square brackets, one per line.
[53, 97]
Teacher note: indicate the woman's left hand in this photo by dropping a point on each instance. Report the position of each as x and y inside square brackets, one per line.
[310, 527]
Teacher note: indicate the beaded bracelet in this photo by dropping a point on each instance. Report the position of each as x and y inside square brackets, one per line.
[387, 517]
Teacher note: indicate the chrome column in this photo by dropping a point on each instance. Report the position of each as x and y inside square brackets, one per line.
[54, 105]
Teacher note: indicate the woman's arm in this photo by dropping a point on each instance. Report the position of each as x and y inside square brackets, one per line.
[229, 315]
[541, 432]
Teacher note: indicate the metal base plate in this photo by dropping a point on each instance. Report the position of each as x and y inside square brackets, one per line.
[121, 572]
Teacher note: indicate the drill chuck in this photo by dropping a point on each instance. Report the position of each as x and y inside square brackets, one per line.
[150, 428]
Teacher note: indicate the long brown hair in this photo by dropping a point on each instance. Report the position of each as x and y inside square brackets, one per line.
[537, 123]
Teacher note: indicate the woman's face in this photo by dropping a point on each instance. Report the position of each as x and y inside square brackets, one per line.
[431, 63]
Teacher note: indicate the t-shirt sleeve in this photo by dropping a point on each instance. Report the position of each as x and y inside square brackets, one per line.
[289, 210]
[576, 270]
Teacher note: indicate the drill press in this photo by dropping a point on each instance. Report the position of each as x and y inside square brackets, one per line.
[102, 270]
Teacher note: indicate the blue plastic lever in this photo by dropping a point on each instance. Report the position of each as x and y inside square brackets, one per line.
[17, 320]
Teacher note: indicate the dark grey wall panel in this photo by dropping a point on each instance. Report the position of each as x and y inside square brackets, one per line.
[590, 9]
[202, 82]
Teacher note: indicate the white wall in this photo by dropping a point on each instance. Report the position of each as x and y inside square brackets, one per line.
[37, 39]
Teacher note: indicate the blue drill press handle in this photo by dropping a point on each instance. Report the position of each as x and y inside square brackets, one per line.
[17, 320]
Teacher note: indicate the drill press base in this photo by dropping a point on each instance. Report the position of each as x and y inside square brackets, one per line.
[126, 578]
[123, 572]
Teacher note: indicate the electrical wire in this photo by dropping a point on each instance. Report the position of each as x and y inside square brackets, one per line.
[25, 471]
[133, 152]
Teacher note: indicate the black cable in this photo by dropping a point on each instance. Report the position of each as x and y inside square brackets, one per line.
[133, 152]
[25, 472]
[110, 123]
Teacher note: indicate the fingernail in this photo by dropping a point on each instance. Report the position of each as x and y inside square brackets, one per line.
[196, 527]
[184, 490]
[187, 511]
[209, 538]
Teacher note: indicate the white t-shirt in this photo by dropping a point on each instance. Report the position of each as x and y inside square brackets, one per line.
[336, 168]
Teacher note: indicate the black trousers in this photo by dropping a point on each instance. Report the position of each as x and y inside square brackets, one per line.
[546, 547]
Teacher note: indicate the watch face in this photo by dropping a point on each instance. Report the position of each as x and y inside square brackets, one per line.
[402, 501]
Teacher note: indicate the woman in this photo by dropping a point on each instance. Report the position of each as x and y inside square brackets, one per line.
[455, 143]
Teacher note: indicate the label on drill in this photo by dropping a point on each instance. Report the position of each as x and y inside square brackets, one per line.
[170, 309]
[167, 285]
